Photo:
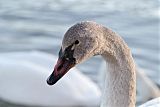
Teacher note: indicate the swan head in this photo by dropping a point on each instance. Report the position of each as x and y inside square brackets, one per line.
[80, 42]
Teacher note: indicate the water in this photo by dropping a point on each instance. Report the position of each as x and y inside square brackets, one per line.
[35, 25]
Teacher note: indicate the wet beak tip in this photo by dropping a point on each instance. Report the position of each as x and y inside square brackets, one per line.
[49, 82]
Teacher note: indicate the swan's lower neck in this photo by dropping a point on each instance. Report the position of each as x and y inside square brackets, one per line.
[120, 85]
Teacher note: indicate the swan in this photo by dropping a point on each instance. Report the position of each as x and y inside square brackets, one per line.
[86, 39]
[143, 82]
[153, 103]
[22, 76]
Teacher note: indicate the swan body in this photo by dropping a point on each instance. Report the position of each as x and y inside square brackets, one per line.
[22, 76]
[153, 103]
[151, 91]
[87, 39]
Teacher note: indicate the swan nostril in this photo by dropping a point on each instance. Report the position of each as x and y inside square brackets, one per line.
[60, 67]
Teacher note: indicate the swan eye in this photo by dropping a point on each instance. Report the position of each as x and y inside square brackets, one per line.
[76, 42]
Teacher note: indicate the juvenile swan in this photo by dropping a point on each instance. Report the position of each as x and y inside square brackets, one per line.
[86, 39]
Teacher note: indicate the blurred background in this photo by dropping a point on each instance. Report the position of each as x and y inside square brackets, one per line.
[31, 32]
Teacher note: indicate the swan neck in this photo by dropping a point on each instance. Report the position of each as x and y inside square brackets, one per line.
[120, 83]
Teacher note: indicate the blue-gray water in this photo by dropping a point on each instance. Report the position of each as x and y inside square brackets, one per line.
[35, 25]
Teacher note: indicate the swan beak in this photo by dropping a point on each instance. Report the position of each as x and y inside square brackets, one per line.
[61, 68]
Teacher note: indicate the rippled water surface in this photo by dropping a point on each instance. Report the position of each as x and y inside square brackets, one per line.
[40, 24]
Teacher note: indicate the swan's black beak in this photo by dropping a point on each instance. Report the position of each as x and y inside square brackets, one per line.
[61, 68]
[64, 64]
